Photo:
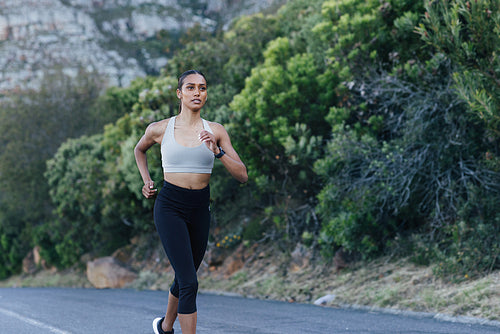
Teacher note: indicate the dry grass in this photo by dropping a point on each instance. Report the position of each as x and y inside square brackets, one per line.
[398, 285]
[74, 278]
[402, 285]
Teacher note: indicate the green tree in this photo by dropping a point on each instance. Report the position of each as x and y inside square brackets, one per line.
[77, 179]
[94, 182]
[278, 117]
[116, 102]
[32, 126]
[363, 35]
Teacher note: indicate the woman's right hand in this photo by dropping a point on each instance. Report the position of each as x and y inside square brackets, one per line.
[148, 190]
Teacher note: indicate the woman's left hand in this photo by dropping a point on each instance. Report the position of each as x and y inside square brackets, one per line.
[209, 140]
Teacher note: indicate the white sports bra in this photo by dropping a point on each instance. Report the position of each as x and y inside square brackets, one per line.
[176, 158]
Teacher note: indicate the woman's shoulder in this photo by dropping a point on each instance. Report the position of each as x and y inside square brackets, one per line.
[215, 126]
[158, 128]
[218, 130]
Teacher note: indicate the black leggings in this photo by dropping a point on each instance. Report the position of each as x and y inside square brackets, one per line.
[182, 219]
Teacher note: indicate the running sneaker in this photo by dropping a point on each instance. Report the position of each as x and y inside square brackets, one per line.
[157, 327]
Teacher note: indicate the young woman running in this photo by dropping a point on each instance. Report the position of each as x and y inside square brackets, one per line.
[189, 145]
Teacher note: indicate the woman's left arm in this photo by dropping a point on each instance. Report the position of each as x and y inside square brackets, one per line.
[230, 159]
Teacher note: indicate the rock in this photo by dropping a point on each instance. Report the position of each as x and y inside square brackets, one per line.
[37, 258]
[29, 265]
[107, 272]
[325, 300]
[34, 261]
[99, 35]
[300, 258]
[233, 265]
[234, 262]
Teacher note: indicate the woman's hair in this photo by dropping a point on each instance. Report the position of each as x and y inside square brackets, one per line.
[185, 74]
[181, 79]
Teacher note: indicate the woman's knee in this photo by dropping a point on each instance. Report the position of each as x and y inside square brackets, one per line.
[187, 296]
[189, 287]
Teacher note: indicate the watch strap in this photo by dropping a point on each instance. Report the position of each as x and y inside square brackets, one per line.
[221, 153]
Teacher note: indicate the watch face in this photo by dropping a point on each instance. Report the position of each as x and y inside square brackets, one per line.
[221, 153]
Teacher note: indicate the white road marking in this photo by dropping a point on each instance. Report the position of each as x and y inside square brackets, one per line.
[32, 321]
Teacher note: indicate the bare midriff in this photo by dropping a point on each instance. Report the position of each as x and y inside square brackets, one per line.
[188, 180]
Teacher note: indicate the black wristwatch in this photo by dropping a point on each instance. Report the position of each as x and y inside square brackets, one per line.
[221, 153]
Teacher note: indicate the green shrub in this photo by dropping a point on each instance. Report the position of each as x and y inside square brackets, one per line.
[413, 171]
[469, 251]
[468, 33]
[254, 230]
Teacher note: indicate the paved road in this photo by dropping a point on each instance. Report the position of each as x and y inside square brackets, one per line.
[89, 311]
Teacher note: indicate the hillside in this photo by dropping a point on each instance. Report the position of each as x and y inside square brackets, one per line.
[119, 39]
[363, 129]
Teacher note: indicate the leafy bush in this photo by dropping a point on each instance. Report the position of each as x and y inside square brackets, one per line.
[94, 182]
[77, 178]
[280, 121]
[412, 171]
[468, 32]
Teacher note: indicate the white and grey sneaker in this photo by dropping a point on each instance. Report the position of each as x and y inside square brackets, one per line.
[157, 327]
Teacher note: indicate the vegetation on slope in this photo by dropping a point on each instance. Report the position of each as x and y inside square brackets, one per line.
[366, 125]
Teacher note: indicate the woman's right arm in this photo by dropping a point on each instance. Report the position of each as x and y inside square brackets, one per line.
[150, 137]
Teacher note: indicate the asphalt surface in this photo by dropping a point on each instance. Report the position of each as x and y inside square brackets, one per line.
[64, 311]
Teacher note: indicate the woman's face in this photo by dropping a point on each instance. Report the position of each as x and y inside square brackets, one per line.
[193, 93]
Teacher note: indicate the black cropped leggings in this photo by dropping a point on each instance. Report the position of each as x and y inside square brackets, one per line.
[182, 219]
